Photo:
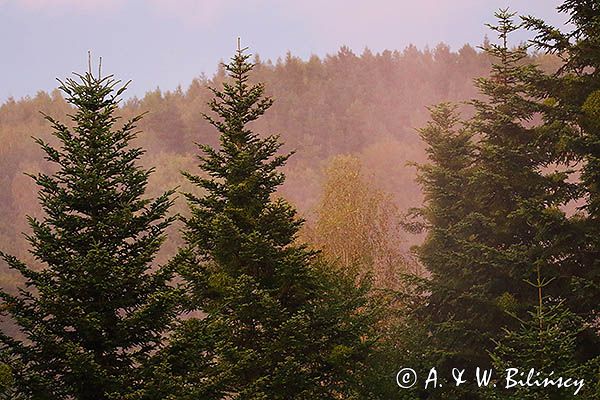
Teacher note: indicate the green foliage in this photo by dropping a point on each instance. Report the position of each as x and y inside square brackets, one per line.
[492, 209]
[268, 317]
[573, 118]
[547, 342]
[275, 324]
[96, 309]
[367, 104]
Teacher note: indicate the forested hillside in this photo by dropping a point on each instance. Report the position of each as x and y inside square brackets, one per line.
[408, 224]
[368, 105]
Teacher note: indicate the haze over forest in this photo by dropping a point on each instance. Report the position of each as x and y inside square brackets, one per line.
[352, 101]
[368, 105]
[164, 44]
[333, 222]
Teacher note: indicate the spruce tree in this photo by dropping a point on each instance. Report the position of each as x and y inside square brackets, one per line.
[547, 341]
[276, 325]
[492, 210]
[572, 115]
[94, 307]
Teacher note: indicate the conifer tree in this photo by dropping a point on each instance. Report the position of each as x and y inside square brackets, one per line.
[275, 324]
[449, 337]
[572, 115]
[492, 210]
[546, 341]
[95, 308]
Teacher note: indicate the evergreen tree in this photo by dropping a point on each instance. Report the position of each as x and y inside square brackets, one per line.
[97, 309]
[572, 115]
[492, 209]
[449, 337]
[547, 342]
[275, 324]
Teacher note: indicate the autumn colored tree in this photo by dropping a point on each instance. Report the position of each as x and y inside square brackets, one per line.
[366, 104]
[358, 225]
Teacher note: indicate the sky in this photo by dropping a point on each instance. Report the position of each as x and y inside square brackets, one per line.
[166, 43]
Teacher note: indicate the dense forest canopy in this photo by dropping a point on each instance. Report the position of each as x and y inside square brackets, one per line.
[367, 226]
[368, 105]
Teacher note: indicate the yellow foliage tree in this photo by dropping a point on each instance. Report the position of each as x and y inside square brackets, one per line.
[357, 225]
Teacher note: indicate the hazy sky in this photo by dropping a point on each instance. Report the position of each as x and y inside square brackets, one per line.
[164, 43]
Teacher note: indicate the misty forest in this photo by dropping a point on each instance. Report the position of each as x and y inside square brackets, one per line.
[310, 229]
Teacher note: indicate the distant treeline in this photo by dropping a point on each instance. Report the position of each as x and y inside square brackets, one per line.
[491, 158]
[368, 104]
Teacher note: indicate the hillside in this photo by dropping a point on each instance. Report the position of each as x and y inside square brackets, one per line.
[368, 105]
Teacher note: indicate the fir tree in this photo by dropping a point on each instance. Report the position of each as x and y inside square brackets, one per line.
[97, 309]
[276, 325]
[572, 115]
[492, 211]
[547, 341]
[449, 338]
